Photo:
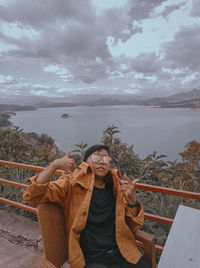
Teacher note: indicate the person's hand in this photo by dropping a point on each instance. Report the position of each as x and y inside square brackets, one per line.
[65, 163]
[129, 189]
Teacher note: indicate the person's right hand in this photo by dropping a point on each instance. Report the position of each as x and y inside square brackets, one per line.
[65, 163]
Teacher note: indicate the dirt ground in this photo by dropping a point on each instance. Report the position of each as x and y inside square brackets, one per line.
[20, 241]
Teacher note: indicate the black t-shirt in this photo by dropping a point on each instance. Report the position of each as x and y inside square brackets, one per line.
[99, 233]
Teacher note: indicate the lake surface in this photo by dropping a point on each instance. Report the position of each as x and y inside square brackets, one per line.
[164, 130]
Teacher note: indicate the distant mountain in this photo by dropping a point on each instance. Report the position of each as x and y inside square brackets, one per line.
[13, 107]
[44, 104]
[174, 99]
[7, 110]
[193, 104]
[127, 99]
[193, 94]
[71, 98]
[93, 100]
[87, 98]
[105, 102]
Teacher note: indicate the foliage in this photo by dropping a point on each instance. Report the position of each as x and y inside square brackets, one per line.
[29, 148]
[123, 156]
[4, 119]
[153, 169]
[190, 165]
[81, 150]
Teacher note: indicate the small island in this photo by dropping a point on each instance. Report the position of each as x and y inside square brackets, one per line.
[65, 115]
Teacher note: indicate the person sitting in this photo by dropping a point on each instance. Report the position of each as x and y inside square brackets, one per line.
[101, 210]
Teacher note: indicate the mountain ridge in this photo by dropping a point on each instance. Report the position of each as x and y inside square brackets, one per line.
[182, 99]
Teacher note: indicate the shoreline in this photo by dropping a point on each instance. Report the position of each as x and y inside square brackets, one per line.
[6, 127]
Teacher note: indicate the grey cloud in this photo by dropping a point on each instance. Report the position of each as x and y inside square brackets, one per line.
[71, 35]
[169, 9]
[195, 11]
[19, 87]
[146, 63]
[92, 71]
[68, 27]
[183, 52]
[142, 9]
[39, 14]
[118, 23]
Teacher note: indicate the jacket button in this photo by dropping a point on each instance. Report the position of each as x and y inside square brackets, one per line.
[84, 213]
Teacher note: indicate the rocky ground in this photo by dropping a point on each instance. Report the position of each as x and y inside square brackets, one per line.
[20, 241]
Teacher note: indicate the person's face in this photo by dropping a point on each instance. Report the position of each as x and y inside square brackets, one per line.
[100, 162]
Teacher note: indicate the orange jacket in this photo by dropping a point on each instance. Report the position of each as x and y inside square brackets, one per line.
[74, 193]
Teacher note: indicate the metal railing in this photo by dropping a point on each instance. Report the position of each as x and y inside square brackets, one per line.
[142, 186]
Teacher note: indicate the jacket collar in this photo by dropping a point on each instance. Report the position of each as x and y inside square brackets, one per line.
[83, 176]
[85, 167]
[115, 173]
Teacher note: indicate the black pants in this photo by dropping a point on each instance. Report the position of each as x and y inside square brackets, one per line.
[114, 261]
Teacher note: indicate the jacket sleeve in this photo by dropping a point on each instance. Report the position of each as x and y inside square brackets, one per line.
[134, 217]
[53, 191]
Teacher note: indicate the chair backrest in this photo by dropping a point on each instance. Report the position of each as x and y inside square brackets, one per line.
[148, 241]
[53, 232]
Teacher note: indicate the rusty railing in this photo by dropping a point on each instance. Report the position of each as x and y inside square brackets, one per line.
[142, 186]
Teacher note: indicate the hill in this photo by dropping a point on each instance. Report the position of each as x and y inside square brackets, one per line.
[105, 102]
[7, 110]
[193, 94]
[193, 104]
[13, 107]
[185, 100]
[44, 104]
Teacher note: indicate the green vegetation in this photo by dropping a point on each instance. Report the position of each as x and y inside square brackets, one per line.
[27, 148]
[15, 107]
[6, 110]
[30, 148]
[4, 119]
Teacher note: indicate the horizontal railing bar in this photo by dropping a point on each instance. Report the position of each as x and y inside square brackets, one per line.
[157, 218]
[158, 248]
[139, 243]
[25, 166]
[34, 210]
[165, 190]
[13, 183]
[18, 205]
[141, 186]
[20, 165]
[147, 215]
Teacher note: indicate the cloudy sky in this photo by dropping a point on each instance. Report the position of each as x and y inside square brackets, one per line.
[56, 48]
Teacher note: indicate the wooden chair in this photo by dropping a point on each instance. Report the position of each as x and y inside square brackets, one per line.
[52, 227]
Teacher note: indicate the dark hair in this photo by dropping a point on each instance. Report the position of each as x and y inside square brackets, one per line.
[94, 148]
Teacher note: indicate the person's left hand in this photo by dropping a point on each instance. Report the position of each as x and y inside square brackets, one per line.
[129, 189]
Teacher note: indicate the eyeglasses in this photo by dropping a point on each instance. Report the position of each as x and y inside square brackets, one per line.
[97, 158]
